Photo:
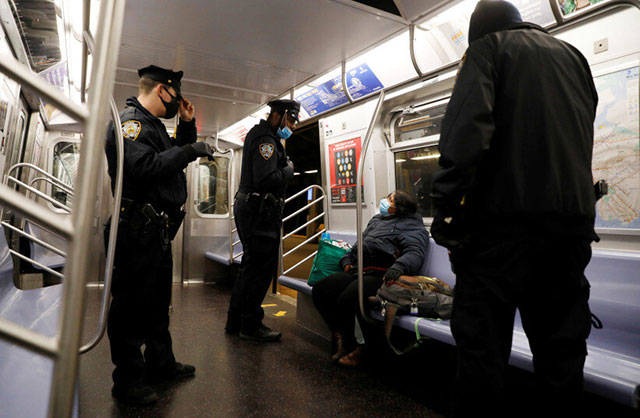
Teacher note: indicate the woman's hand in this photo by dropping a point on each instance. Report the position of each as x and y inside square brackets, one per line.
[347, 268]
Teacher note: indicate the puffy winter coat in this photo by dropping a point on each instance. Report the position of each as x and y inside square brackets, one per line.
[392, 242]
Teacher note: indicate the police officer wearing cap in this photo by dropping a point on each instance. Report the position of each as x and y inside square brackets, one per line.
[266, 169]
[154, 190]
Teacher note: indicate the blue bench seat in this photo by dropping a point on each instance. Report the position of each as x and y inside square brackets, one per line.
[219, 252]
[612, 367]
[26, 376]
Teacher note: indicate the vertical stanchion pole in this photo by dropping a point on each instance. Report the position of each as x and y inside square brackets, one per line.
[363, 154]
[65, 367]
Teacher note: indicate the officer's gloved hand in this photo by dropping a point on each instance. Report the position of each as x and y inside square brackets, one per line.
[288, 170]
[392, 275]
[198, 149]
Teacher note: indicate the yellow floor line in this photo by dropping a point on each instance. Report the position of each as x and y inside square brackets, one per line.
[267, 305]
[280, 313]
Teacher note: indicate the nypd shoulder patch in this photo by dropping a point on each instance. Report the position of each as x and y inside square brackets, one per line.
[266, 150]
[131, 129]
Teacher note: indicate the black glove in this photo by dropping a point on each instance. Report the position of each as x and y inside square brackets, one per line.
[198, 149]
[288, 170]
[392, 275]
[447, 230]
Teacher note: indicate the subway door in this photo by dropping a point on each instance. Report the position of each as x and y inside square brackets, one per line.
[207, 223]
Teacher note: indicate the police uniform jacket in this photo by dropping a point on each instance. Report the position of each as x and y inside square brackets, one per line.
[264, 163]
[153, 161]
[517, 136]
[264, 171]
[398, 242]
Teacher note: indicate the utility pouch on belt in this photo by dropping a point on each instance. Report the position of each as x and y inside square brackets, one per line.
[271, 205]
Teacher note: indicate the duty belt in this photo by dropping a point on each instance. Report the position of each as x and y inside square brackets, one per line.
[129, 208]
[248, 196]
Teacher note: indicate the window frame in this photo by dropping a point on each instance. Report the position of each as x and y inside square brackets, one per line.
[196, 189]
[50, 158]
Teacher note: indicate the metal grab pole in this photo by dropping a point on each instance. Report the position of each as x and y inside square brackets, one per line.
[113, 234]
[65, 368]
[363, 153]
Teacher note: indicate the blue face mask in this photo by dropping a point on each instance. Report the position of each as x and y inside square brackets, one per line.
[384, 207]
[284, 133]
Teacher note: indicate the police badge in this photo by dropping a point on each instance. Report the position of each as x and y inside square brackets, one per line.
[131, 129]
[266, 150]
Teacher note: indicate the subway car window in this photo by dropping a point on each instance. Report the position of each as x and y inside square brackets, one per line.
[65, 165]
[213, 195]
[414, 169]
[420, 122]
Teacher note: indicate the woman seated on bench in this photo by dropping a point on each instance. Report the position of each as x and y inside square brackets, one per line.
[394, 244]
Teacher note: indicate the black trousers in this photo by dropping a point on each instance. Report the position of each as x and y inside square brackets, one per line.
[258, 268]
[336, 298]
[139, 313]
[545, 280]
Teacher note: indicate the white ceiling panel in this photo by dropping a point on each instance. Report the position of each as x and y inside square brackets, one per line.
[242, 51]
[413, 10]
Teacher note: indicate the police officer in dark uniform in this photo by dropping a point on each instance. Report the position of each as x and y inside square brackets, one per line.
[258, 214]
[516, 207]
[154, 190]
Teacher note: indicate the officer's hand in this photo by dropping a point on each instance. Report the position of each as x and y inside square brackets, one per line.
[186, 110]
[290, 163]
[202, 149]
[392, 275]
[447, 231]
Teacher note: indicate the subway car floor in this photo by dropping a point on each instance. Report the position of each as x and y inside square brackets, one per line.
[290, 378]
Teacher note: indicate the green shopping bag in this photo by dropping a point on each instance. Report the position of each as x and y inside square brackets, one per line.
[327, 261]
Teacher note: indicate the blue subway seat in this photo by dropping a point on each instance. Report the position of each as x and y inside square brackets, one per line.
[40, 253]
[612, 368]
[219, 252]
[26, 376]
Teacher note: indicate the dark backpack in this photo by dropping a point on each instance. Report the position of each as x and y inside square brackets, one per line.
[426, 297]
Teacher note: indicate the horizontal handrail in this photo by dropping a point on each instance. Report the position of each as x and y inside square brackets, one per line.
[39, 193]
[300, 262]
[28, 78]
[67, 190]
[313, 186]
[53, 178]
[236, 242]
[40, 265]
[17, 202]
[302, 226]
[308, 240]
[302, 209]
[238, 255]
[27, 338]
[34, 239]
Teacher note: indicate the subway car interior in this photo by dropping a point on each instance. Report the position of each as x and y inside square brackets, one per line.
[373, 79]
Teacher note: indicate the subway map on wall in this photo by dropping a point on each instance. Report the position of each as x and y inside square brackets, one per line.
[616, 148]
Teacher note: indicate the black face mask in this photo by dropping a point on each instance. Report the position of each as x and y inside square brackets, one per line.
[171, 107]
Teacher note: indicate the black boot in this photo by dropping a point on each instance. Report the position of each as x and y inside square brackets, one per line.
[262, 334]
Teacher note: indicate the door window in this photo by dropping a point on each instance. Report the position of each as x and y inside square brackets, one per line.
[414, 169]
[213, 194]
[66, 156]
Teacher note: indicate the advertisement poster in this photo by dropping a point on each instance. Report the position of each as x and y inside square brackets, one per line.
[343, 160]
[324, 97]
[362, 81]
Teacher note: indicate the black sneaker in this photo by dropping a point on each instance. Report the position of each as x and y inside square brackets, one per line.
[263, 334]
[135, 395]
[179, 371]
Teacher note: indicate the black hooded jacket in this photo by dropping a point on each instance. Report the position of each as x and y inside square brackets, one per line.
[398, 242]
[517, 138]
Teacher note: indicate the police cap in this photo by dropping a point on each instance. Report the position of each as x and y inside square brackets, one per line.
[291, 106]
[162, 75]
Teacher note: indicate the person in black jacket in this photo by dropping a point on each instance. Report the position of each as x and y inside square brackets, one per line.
[154, 189]
[258, 206]
[394, 243]
[516, 207]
